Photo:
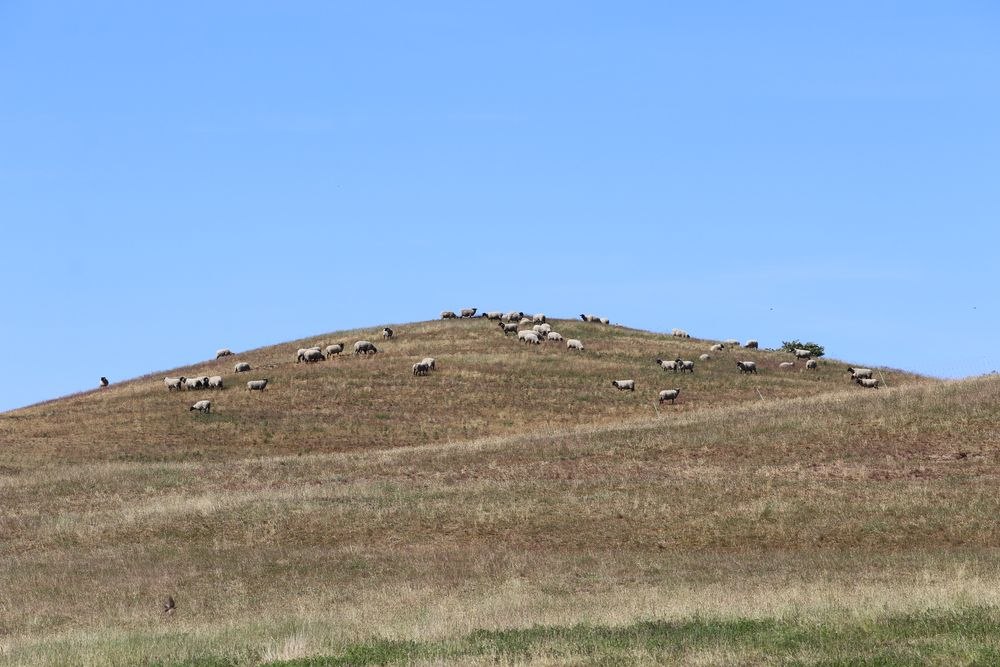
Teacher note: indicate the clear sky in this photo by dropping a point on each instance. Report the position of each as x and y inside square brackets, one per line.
[178, 177]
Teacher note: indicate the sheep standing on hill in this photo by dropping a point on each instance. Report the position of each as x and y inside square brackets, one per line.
[786, 365]
[174, 383]
[704, 357]
[331, 350]
[683, 365]
[542, 329]
[868, 383]
[508, 328]
[202, 406]
[751, 344]
[196, 383]
[241, 367]
[801, 354]
[430, 361]
[538, 318]
[224, 352]
[746, 366]
[553, 335]
[669, 395]
[667, 365]
[680, 333]
[365, 347]
[528, 337]
[215, 382]
[624, 385]
[718, 347]
[386, 333]
[604, 320]
[448, 315]
[493, 315]
[812, 364]
[420, 368]
[860, 373]
[104, 381]
[468, 312]
[731, 342]
[311, 356]
[590, 318]
[302, 351]
[574, 344]
[257, 385]
[513, 316]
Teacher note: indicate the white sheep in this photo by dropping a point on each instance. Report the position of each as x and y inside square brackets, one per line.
[667, 365]
[574, 344]
[604, 320]
[224, 352]
[542, 329]
[525, 321]
[257, 385]
[860, 373]
[420, 368]
[508, 328]
[386, 333]
[732, 342]
[704, 357]
[468, 312]
[786, 365]
[174, 383]
[718, 347]
[365, 347]
[302, 351]
[448, 315]
[241, 367]
[311, 356]
[669, 395]
[331, 350]
[538, 318]
[430, 361]
[493, 315]
[513, 316]
[528, 337]
[202, 406]
[624, 385]
[195, 383]
[802, 354]
[683, 365]
[215, 382]
[751, 344]
[868, 383]
[746, 366]
[590, 318]
[680, 333]
[812, 364]
[553, 335]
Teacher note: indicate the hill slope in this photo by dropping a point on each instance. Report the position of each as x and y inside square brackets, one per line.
[822, 516]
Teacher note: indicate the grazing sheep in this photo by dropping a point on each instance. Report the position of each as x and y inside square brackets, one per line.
[174, 383]
[202, 406]
[704, 357]
[542, 329]
[365, 347]
[104, 381]
[224, 352]
[241, 367]
[718, 347]
[624, 385]
[751, 344]
[786, 365]
[669, 395]
[525, 321]
[746, 366]
[513, 316]
[553, 335]
[508, 328]
[868, 383]
[528, 337]
[311, 356]
[812, 364]
[590, 318]
[302, 351]
[538, 318]
[257, 385]
[195, 383]
[802, 354]
[574, 344]
[448, 315]
[680, 333]
[493, 315]
[667, 365]
[331, 350]
[386, 333]
[468, 312]
[430, 361]
[420, 368]
[604, 320]
[684, 365]
[860, 373]
[215, 382]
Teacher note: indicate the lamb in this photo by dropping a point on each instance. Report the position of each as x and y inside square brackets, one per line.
[802, 354]
[868, 383]
[448, 315]
[624, 385]
[202, 407]
[860, 373]
[508, 328]
[224, 352]
[704, 357]
[386, 333]
[420, 368]
[468, 312]
[174, 383]
[538, 318]
[302, 351]
[331, 350]
[667, 365]
[574, 344]
[528, 337]
[786, 365]
[751, 344]
[493, 315]
[746, 366]
[311, 356]
[718, 347]
[241, 367]
[430, 361]
[215, 382]
[257, 385]
[812, 364]
[680, 333]
[669, 395]
[684, 365]
[365, 347]
[553, 335]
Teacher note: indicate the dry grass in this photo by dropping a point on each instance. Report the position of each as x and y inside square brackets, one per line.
[514, 487]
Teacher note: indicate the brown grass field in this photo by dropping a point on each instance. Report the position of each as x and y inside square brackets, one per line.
[512, 507]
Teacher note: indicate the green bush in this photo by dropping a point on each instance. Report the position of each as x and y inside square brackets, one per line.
[790, 345]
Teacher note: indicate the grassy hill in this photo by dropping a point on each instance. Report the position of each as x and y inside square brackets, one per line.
[510, 507]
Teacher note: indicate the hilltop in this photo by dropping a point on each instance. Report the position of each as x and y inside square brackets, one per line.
[512, 506]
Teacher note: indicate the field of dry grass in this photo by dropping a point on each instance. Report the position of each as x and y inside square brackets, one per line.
[353, 504]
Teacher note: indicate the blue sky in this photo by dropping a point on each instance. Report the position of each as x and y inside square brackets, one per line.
[178, 177]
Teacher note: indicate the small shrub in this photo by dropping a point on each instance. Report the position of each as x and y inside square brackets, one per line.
[814, 348]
